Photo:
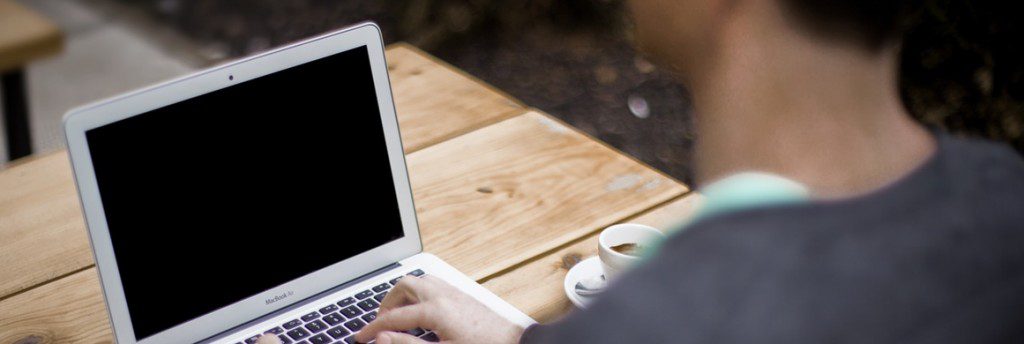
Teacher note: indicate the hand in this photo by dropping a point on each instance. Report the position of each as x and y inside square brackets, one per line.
[428, 302]
[268, 339]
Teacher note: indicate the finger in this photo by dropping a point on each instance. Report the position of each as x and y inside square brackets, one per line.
[399, 319]
[397, 338]
[431, 287]
[268, 339]
[404, 293]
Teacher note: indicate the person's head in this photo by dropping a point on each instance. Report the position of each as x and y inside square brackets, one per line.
[682, 35]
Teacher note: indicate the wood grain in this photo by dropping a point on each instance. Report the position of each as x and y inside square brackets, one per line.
[435, 101]
[42, 233]
[508, 192]
[535, 287]
[69, 310]
[24, 36]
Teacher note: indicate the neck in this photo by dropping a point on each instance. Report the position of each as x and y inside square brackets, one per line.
[829, 117]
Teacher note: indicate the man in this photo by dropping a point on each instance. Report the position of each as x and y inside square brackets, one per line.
[893, 233]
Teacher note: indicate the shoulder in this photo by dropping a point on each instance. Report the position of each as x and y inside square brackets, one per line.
[984, 181]
[967, 178]
[977, 164]
[980, 149]
[969, 185]
[829, 272]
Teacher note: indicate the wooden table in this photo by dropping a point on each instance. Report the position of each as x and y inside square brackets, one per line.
[505, 193]
[24, 36]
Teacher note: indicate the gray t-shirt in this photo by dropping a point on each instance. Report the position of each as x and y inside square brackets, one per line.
[936, 257]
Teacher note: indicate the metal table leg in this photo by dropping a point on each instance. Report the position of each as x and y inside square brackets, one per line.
[15, 109]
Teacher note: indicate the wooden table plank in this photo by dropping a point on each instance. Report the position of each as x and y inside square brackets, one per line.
[42, 233]
[42, 230]
[536, 286]
[508, 192]
[69, 310]
[548, 185]
[436, 101]
[25, 36]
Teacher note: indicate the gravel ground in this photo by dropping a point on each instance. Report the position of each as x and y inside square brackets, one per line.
[586, 75]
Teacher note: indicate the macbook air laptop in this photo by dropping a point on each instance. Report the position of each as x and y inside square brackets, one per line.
[267, 195]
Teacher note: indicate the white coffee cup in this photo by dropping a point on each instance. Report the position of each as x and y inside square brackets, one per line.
[613, 262]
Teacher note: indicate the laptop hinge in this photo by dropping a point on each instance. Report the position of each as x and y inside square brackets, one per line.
[302, 303]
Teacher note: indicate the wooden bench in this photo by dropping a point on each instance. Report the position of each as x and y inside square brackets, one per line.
[24, 36]
[507, 194]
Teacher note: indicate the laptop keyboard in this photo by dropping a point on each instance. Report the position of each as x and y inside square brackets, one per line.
[337, 323]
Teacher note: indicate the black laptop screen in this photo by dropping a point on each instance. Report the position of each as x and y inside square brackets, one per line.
[220, 197]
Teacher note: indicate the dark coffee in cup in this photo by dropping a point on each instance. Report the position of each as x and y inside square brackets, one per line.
[622, 245]
[629, 248]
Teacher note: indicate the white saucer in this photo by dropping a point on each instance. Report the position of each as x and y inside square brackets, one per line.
[588, 268]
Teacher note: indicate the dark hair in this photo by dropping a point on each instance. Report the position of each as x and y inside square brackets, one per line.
[962, 63]
[872, 23]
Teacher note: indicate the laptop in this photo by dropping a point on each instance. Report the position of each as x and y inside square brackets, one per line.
[266, 195]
